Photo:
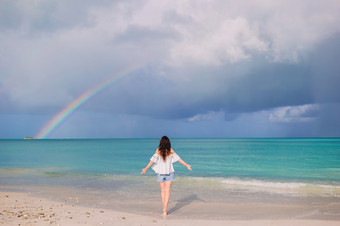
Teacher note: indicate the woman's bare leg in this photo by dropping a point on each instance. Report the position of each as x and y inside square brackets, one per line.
[167, 189]
[162, 184]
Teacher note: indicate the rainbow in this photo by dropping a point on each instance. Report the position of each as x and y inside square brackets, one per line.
[49, 127]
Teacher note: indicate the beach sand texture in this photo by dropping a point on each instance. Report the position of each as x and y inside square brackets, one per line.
[20, 208]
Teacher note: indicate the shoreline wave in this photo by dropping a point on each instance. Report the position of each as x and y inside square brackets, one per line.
[304, 188]
[318, 188]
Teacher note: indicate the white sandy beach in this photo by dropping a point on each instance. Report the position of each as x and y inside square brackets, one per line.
[19, 208]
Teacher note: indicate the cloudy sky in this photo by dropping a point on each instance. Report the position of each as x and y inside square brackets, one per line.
[212, 68]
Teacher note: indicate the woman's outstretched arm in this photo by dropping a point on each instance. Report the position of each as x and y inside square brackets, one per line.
[185, 164]
[147, 167]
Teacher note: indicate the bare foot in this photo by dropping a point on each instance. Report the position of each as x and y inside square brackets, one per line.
[165, 213]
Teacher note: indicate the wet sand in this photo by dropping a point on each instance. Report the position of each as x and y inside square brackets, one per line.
[24, 208]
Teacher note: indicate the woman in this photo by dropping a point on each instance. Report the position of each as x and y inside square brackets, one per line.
[162, 162]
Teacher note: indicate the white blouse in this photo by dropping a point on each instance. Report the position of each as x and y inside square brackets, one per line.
[164, 167]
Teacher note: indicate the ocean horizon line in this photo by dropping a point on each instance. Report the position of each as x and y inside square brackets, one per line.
[141, 138]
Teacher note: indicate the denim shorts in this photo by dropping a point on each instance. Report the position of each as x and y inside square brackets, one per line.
[165, 177]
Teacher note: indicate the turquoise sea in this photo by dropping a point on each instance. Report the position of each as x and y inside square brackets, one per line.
[223, 169]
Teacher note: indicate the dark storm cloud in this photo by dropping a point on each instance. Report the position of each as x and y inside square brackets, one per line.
[264, 86]
[272, 85]
[325, 71]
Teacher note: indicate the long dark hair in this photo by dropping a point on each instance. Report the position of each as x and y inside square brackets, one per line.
[164, 147]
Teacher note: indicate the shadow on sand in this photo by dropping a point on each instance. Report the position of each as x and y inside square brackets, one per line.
[183, 202]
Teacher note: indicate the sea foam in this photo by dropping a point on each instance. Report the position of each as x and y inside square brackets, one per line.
[264, 184]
